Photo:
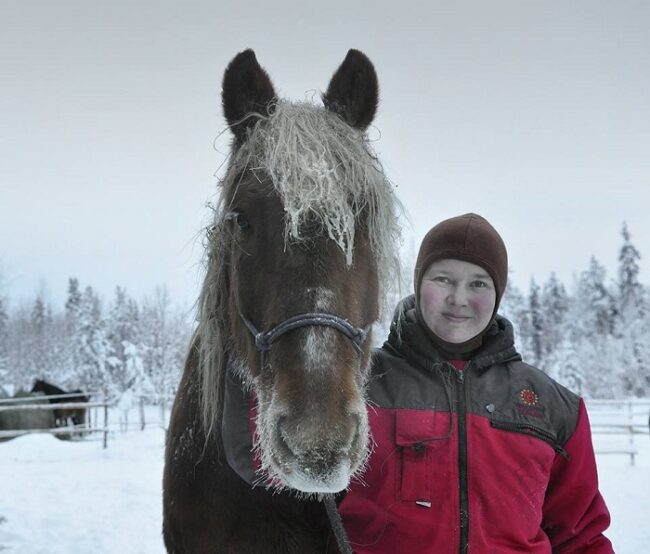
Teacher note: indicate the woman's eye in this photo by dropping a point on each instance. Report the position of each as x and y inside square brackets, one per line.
[479, 284]
[441, 279]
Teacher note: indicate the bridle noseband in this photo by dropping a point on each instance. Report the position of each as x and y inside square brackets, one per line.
[358, 335]
[264, 339]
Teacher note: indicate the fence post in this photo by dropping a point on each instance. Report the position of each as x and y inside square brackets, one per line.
[142, 423]
[162, 412]
[105, 420]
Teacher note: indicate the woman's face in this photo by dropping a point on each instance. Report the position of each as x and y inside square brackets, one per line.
[457, 299]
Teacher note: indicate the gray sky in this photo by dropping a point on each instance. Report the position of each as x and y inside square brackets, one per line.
[534, 114]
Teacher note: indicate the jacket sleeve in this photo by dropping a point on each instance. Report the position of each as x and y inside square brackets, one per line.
[574, 512]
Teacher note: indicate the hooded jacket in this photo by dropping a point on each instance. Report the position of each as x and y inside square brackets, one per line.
[495, 457]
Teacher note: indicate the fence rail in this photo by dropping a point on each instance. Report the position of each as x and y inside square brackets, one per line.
[625, 418]
[42, 397]
[18, 405]
[57, 406]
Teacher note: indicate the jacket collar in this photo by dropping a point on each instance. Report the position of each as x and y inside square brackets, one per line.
[408, 339]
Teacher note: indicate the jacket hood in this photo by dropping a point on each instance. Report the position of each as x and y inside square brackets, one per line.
[407, 338]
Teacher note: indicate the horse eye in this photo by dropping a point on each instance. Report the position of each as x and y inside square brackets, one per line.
[241, 221]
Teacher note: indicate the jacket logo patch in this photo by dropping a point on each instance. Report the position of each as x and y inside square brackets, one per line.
[529, 397]
[529, 405]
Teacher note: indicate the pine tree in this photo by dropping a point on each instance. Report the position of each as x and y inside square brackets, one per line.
[123, 338]
[38, 334]
[630, 323]
[630, 291]
[569, 366]
[73, 302]
[594, 303]
[69, 367]
[536, 325]
[515, 308]
[4, 342]
[555, 304]
[91, 345]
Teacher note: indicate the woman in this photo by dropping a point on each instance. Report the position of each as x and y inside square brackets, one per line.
[475, 450]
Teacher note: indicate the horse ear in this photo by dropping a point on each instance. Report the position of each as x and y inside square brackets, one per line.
[246, 89]
[353, 92]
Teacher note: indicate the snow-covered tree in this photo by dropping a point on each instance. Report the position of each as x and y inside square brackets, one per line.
[568, 366]
[554, 307]
[39, 352]
[630, 291]
[536, 325]
[515, 308]
[91, 345]
[4, 342]
[123, 338]
[163, 347]
[595, 310]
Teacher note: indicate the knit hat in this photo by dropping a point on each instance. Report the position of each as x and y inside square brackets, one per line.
[470, 238]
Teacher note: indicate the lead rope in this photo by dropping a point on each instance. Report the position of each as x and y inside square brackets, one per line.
[336, 524]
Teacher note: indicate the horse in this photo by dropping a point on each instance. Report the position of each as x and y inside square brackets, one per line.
[299, 256]
[19, 420]
[64, 416]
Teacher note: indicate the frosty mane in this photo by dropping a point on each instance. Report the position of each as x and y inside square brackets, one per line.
[323, 170]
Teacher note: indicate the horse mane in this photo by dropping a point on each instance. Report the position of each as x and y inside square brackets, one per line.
[323, 170]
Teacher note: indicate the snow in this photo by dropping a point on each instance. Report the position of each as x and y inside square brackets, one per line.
[75, 497]
[626, 490]
[63, 497]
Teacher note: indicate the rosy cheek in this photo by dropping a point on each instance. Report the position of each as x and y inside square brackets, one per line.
[483, 305]
[430, 296]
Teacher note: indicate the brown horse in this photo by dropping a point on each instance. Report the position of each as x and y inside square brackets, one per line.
[300, 252]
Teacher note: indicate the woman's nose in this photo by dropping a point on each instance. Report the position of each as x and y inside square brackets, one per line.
[457, 297]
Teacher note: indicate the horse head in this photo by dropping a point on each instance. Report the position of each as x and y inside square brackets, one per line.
[307, 224]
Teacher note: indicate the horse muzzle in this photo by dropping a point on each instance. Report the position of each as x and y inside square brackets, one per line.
[319, 460]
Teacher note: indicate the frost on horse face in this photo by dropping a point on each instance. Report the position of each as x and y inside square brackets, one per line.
[299, 255]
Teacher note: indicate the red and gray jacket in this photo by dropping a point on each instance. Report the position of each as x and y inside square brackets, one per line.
[492, 457]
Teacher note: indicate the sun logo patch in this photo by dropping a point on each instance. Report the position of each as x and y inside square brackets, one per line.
[529, 397]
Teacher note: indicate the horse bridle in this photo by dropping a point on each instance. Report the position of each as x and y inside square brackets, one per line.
[358, 335]
[264, 339]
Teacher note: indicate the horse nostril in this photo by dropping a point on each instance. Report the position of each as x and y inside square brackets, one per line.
[282, 437]
[355, 435]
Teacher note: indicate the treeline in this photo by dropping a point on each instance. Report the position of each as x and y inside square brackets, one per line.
[122, 346]
[593, 336]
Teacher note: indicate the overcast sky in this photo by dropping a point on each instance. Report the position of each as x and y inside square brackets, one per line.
[535, 114]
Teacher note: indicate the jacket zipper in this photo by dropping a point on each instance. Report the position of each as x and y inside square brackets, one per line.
[527, 429]
[462, 457]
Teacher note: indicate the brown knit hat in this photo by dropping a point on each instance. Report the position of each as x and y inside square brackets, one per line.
[469, 238]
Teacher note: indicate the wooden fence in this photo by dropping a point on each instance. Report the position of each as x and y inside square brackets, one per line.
[625, 418]
[144, 405]
[41, 403]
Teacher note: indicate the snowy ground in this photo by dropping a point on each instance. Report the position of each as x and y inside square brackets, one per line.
[61, 497]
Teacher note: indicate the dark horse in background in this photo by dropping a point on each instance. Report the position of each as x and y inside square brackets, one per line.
[301, 250]
[64, 416]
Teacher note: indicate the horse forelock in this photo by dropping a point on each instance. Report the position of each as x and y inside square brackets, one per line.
[322, 169]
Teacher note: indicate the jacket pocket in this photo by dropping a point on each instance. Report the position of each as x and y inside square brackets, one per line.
[531, 430]
[417, 432]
